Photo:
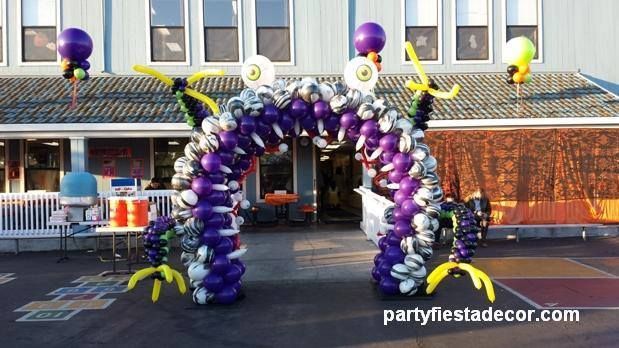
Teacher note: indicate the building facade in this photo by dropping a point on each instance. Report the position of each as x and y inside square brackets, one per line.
[126, 126]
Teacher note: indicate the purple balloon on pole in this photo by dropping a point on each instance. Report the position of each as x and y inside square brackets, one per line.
[349, 120]
[402, 162]
[224, 247]
[388, 142]
[400, 196]
[247, 125]
[216, 220]
[270, 114]
[332, 123]
[386, 157]
[228, 140]
[396, 176]
[402, 228]
[369, 128]
[384, 268]
[74, 44]
[409, 185]
[286, 123]
[375, 274]
[389, 285]
[233, 275]
[227, 295]
[370, 37]
[210, 237]
[220, 264]
[409, 208]
[213, 282]
[394, 254]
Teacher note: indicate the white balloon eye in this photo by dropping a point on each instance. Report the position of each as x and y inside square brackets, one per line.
[257, 71]
[361, 74]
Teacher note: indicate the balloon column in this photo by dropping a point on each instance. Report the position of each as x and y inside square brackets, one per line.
[462, 251]
[519, 53]
[225, 142]
[74, 46]
[156, 248]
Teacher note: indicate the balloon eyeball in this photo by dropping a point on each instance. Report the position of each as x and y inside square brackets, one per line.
[240, 220]
[237, 196]
[372, 172]
[234, 185]
[361, 74]
[257, 71]
[358, 156]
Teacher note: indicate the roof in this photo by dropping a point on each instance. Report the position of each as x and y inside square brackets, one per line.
[143, 99]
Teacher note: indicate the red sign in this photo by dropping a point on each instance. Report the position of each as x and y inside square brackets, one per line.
[109, 168]
[13, 170]
[117, 152]
[137, 168]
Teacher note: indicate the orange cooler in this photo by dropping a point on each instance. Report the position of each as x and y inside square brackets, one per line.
[137, 212]
[118, 212]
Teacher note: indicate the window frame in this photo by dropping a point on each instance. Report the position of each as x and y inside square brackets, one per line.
[4, 19]
[454, 39]
[254, 19]
[20, 44]
[439, 28]
[540, 32]
[295, 180]
[5, 152]
[149, 57]
[239, 29]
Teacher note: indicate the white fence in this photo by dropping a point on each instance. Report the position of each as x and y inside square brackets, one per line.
[374, 207]
[26, 215]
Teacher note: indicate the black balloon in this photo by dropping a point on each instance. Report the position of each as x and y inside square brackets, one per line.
[512, 69]
[510, 80]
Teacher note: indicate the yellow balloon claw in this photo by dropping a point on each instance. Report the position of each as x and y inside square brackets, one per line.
[437, 279]
[437, 271]
[487, 284]
[180, 281]
[154, 73]
[425, 82]
[201, 97]
[167, 272]
[156, 290]
[471, 271]
[139, 275]
[202, 74]
[193, 78]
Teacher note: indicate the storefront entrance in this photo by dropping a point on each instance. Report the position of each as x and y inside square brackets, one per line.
[337, 175]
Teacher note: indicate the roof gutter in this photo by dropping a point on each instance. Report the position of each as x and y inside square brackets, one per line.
[170, 130]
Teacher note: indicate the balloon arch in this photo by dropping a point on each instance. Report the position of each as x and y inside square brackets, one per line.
[226, 138]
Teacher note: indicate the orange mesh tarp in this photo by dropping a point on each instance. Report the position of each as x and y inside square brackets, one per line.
[534, 176]
[279, 199]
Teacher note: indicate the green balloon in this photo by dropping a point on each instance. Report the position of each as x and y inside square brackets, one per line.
[519, 51]
[79, 73]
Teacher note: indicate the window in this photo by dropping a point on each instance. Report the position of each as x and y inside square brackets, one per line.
[422, 18]
[43, 165]
[38, 21]
[1, 38]
[2, 165]
[167, 151]
[273, 29]
[473, 30]
[221, 31]
[276, 171]
[522, 19]
[167, 31]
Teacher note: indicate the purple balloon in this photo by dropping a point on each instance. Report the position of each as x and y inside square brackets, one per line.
[396, 176]
[352, 134]
[211, 162]
[384, 268]
[227, 295]
[386, 157]
[201, 186]
[240, 264]
[270, 114]
[389, 142]
[393, 239]
[217, 178]
[402, 228]
[244, 164]
[394, 255]
[409, 207]
[286, 123]
[371, 143]
[400, 196]
[409, 185]
[263, 129]
[378, 258]
[244, 141]
[216, 220]
[348, 120]
[227, 158]
[84, 64]
[233, 275]
[308, 123]
[217, 197]
[228, 140]
[369, 37]
[398, 215]
[224, 247]
[213, 282]
[321, 110]
[247, 125]
[220, 264]
[74, 44]
[210, 237]
[402, 162]
[389, 286]
[382, 243]
[298, 108]
[202, 210]
[375, 274]
[369, 128]
[259, 151]
[332, 123]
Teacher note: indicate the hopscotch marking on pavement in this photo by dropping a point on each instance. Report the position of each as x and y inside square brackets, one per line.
[68, 301]
[6, 277]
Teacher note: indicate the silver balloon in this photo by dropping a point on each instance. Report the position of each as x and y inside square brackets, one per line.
[365, 111]
[196, 134]
[421, 152]
[387, 120]
[309, 92]
[193, 227]
[339, 104]
[431, 180]
[278, 84]
[406, 143]
[209, 143]
[190, 244]
[339, 87]
[235, 106]
[180, 182]
[430, 163]
[354, 98]
[414, 261]
[293, 88]
[227, 121]
[192, 168]
[253, 106]
[193, 152]
[418, 170]
[326, 92]
[179, 164]
[247, 93]
[265, 93]
[408, 287]
[433, 210]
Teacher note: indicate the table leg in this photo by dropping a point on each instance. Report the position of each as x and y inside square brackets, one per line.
[63, 250]
[114, 252]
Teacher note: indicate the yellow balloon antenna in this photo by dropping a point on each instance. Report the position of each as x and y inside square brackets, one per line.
[425, 82]
[190, 80]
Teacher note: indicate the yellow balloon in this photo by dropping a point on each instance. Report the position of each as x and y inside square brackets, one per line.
[519, 51]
